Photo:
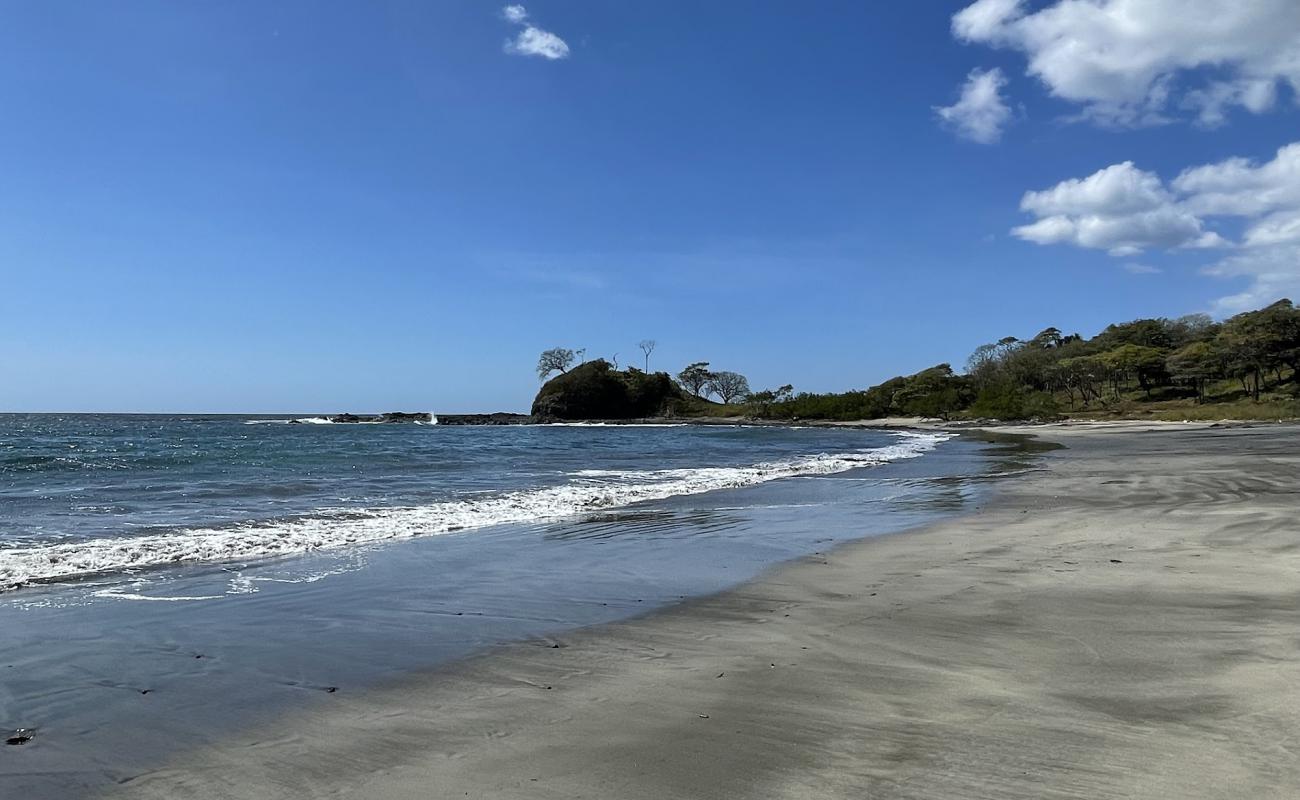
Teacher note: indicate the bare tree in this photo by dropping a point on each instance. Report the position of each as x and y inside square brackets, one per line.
[613, 362]
[582, 355]
[647, 346]
[553, 360]
[728, 386]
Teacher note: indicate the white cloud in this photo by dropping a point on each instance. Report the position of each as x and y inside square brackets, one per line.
[1273, 272]
[980, 113]
[1125, 210]
[1118, 189]
[1280, 228]
[986, 20]
[1133, 62]
[1240, 187]
[532, 41]
[537, 42]
[1120, 209]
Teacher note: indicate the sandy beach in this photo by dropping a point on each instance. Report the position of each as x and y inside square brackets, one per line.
[1119, 622]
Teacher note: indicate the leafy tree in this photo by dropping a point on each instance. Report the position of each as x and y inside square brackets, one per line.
[1007, 401]
[1195, 364]
[1255, 342]
[695, 377]
[1191, 328]
[1146, 364]
[728, 386]
[935, 392]
[1142, 332]
[1047, 339]
[1083, 375]
[761, 403]
[557, 359]
[988, 364]
[1279, 327]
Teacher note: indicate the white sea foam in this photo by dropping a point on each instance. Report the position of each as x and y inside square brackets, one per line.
[341, 528]
[615, 424]
[155, 598]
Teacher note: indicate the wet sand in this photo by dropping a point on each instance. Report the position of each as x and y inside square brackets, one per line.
[1121, 623]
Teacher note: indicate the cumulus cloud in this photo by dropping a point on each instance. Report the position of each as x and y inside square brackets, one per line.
[1134, 62]
[1120, 209]
[532, 41]
[980, 113]
[1240, 187]
[1125, 210]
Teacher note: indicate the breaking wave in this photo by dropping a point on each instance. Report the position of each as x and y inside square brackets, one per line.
[588, 491]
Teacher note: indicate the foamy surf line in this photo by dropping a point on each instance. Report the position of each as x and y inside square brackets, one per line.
[20, 566]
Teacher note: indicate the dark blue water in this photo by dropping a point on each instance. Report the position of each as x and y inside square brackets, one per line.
[407, 547]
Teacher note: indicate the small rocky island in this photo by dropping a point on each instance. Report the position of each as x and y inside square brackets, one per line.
[594, 390]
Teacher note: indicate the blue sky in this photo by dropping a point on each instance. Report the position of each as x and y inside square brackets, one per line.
[328, 206]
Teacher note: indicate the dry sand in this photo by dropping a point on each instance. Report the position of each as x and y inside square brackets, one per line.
[1123, 623]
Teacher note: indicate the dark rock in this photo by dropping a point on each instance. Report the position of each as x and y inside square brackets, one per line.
[389, 416]
[20, 736]
[499, 418]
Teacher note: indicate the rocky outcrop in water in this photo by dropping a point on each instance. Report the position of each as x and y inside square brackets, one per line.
[597, 391]
[499, 418]
[390, 416]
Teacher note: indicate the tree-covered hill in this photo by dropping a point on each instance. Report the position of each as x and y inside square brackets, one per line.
[595, 390]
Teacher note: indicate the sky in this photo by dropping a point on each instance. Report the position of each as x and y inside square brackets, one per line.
[336, 206]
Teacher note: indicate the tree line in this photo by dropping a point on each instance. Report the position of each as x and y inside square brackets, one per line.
[1041, 376]
[1051, 372]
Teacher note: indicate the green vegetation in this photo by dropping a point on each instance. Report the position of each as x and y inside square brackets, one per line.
[1185, 368]
[557, 359]
[1192, 368]
[595, 390]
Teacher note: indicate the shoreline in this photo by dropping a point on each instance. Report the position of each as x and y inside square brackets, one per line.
[184, 659]
[1119, 624]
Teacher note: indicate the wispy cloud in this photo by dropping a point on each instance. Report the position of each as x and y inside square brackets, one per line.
[1141, 269]
[532, 40]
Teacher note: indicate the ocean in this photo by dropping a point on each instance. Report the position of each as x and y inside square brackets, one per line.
[169, 579]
